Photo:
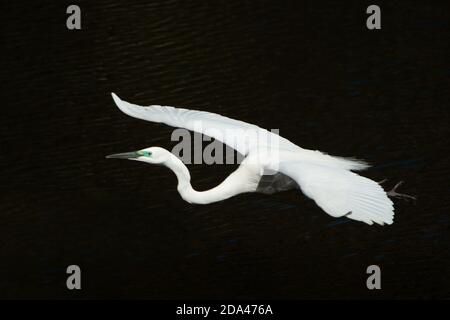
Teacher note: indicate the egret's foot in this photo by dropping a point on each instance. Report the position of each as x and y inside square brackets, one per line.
[394, 194]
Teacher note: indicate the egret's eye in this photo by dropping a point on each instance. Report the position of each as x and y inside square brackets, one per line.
[145, 153]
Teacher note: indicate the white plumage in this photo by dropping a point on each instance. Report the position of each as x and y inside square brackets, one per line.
[326, 179]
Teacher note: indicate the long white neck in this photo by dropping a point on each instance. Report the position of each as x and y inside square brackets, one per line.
[234, 184]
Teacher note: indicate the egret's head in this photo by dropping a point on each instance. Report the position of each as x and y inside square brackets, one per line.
[155, 155]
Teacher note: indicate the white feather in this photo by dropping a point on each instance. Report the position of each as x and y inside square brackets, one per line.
[326, 179]
[341, 192]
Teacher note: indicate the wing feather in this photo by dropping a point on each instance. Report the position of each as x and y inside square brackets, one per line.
[240, 135]
[340, 192]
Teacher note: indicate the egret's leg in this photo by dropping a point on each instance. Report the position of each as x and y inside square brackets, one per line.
[393, 193]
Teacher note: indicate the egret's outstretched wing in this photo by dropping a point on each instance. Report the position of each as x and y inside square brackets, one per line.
[239, 135]
[341, 192]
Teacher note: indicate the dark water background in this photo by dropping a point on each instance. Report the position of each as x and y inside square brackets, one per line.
[309, 68]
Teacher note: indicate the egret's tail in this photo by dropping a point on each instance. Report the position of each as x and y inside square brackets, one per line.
[324, 159]
[351, 163]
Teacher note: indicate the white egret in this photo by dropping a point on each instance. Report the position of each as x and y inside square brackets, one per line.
[328, 180]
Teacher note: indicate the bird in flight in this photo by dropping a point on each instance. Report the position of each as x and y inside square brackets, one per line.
[271, 164]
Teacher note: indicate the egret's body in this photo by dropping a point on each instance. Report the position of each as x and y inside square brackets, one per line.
[266, 168]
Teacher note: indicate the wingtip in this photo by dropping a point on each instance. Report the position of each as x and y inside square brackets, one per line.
[123, 105]
[386, 221]
[115, 98]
